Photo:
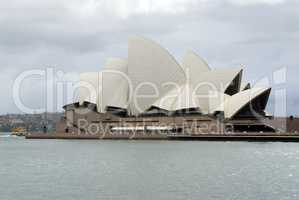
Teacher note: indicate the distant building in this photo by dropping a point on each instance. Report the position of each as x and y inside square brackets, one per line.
[16, 121]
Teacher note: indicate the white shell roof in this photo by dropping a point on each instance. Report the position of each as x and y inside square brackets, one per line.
[118, 64]
[194, 65]
[90, 87]
[151, 69]
[106, 88]
[217, 80]
[115, 84]
[154, 78]
[179, 98]
[236, 102]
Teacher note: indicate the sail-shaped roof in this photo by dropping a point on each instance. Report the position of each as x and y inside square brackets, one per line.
[151, 77]
[115, 84]
[238, 101]
[153, 72]
[179, 98]
[90, 88]
[194, 65]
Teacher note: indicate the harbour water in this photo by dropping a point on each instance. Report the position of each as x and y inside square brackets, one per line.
[134, 170]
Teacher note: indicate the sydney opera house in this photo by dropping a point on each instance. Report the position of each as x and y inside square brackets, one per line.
[150, 92]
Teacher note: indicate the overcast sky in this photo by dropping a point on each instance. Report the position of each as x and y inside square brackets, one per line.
[78, 35]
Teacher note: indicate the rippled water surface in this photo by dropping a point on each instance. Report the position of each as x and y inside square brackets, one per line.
[88, 170]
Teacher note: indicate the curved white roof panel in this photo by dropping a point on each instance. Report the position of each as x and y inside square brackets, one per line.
[213, 83]
[153, 72]
[179, 98]
[216, 80]
[106, 88]
[194, 65]
[90, 88]
[118, 64]
[216, 102]
[151, 77]
[236, 102]
[115, 84]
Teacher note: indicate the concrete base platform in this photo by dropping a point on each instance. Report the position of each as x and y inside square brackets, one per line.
[96, 136]
[253, 138]
[265, 137]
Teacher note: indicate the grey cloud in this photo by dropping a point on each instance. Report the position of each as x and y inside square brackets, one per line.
[261, 36]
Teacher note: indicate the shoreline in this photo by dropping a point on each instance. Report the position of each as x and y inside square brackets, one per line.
[263, 137]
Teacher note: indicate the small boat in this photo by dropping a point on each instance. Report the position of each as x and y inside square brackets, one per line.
[19, 131]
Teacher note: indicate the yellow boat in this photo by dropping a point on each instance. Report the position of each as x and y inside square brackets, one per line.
[19, 131]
